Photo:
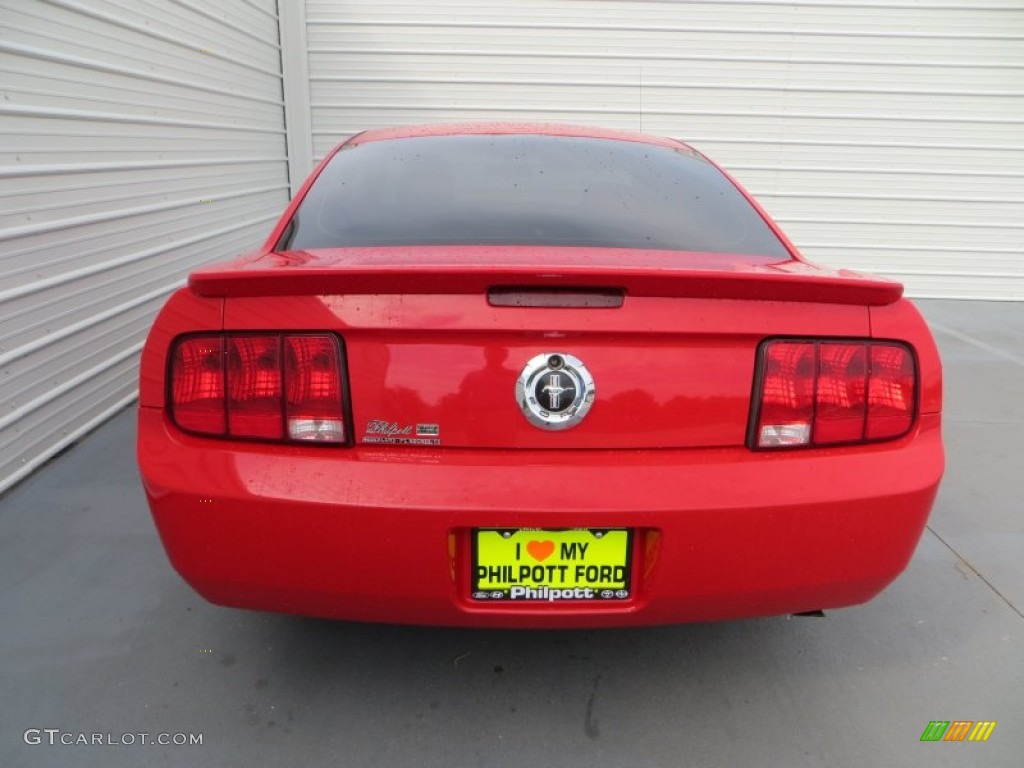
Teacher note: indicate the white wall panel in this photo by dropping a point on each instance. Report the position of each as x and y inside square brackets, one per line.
[887, 135]
[138, 139]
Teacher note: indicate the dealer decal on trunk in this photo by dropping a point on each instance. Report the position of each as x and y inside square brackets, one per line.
[381, 431]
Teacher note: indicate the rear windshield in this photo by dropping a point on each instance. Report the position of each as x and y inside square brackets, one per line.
[526, 190]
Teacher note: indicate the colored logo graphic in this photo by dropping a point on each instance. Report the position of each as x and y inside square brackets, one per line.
[958, 730]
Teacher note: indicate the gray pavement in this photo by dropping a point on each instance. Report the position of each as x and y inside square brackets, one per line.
[98, 634]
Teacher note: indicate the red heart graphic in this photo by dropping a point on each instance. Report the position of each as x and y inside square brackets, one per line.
[540, 550]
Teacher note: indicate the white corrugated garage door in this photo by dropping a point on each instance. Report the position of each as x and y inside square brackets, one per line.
[137, 139]
[885, 136]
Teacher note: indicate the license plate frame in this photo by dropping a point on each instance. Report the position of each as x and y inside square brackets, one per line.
[553, 556]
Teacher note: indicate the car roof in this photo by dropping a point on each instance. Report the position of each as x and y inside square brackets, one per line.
[511, 128]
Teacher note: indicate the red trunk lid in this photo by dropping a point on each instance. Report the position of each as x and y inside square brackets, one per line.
[670, 339]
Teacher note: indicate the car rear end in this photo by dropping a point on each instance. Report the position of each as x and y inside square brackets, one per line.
[536, 435]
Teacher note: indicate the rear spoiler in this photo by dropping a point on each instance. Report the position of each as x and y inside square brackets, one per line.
[293, 274]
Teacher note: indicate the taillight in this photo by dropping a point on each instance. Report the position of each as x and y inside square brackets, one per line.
[197, 385]
[266, 386]
[818, 392]
[313, 376]
[891, 392]
[254, 387]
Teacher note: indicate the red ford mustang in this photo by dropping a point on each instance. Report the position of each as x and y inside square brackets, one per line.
[536, 376]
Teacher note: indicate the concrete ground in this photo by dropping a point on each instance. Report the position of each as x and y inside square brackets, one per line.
[98, 634]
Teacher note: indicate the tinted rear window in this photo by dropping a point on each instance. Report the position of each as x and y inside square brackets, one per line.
[527, 190]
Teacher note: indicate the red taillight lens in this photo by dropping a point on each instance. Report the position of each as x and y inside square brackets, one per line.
[842, 392]
[267, 386]
[197, 385]
[891, 391]
[255, 393]
[313, 373]
[815, 393]
[787, 394]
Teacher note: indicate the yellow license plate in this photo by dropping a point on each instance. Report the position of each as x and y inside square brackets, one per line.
[522, 564]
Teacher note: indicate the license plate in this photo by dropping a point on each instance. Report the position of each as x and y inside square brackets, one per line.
[524, 565]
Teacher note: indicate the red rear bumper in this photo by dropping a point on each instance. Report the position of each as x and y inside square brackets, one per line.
[382, 534]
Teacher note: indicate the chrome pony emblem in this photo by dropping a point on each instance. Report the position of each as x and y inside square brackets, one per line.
[551, 389]
[555, 391]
